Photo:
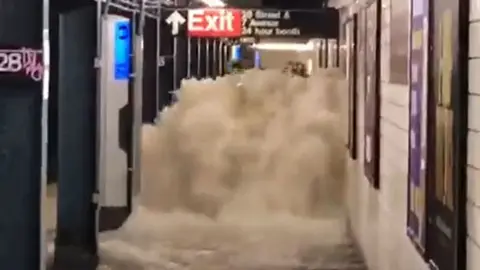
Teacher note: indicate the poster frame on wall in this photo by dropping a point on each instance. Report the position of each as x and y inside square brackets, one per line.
[351, 39]
[448, 251]
[418, 68]
[371, 162]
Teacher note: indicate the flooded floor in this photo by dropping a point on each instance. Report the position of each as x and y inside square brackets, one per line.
[187, 242]
[241, 176]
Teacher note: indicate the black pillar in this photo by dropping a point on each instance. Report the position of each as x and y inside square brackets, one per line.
[200, 55]
[228, 56]
[75, 244]
[208, 57]
[166, 71]
[194, 57]
[20, 139]
[181, 59]
[149, 71]
[215, 58]
[223, 58]
[53, 99]
[202, 72]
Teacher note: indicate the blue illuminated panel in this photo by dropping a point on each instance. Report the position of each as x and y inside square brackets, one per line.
[122, 43]
[257, 59]
[236, 53]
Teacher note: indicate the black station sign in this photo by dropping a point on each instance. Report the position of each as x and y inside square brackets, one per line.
[242, 23]
[316, 23]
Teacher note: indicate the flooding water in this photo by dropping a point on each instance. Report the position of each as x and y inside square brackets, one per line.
[245, 172]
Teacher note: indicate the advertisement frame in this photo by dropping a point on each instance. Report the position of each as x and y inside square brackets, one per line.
[417, 136]
[448, 101]
[371, 161]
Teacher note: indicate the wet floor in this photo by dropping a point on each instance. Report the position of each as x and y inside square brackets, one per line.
[178, 242]
[183, 242]
[340, 257]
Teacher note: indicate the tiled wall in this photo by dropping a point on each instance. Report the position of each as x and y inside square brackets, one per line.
[473, 171]
[379, 217]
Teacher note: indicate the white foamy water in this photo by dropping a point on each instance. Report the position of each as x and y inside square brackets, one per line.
[245, 172]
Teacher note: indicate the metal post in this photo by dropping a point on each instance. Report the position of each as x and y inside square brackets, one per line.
[100, 113]
[45, 91]
[220, 58]
[158, 55]
[214, 52]
[175, 45]
[137, 106]
[199, 57]
[175, 60]
[189, 57]
[225, 56]
[207, 57]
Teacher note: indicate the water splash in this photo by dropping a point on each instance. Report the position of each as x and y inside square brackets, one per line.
[245, 172]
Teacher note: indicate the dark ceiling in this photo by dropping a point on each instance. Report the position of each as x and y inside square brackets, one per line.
[282, 4]
[274, 4]
[294, 4]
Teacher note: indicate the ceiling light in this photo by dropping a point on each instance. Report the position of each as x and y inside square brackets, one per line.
[214, 3]
[300, 47]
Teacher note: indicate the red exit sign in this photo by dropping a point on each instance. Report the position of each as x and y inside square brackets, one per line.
[214, 22]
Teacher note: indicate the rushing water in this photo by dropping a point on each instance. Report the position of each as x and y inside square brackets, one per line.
[245, 172]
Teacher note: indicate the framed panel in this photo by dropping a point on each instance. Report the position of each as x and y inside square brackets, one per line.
[372, 97]
[418, 86]
[447, 133]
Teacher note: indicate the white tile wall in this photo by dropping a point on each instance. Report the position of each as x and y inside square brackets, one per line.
[379, 217]
[473, 172]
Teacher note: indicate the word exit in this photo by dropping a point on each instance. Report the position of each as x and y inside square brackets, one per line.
[214, 22]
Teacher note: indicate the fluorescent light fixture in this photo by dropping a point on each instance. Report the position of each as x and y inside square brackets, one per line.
[299, 47]
[213, 3]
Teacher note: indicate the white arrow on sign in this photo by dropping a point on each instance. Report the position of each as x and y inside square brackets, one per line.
[175, 20]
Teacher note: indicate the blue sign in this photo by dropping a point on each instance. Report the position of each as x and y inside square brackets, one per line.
[122, 44]
[236, 53]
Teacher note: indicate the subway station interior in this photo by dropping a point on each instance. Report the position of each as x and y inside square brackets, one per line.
[239, 135]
